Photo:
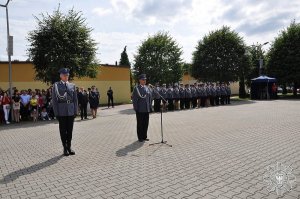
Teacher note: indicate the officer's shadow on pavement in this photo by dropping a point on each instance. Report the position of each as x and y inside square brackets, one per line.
[29, 170]
[129, 148]
[127, 111]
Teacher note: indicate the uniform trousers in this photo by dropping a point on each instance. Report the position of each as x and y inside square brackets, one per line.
[182, 102]
[223, 99]
[212, 100]
[170, 104]
[188, 103]
[203, 100]
[157, 105]
[194, 102]
[217, 100]
[110, 100]
[66, 129]
[83, 111]
[142, 120]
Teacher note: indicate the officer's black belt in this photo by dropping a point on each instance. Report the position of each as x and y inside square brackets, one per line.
[65, 102]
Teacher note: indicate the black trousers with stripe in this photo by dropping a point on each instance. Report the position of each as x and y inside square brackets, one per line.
[66, 130]
[142, 120]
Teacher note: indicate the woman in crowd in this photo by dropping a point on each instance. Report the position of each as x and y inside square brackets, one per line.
[44, 98]
[5, 102]
[16, 106]
[94, 101]
[1, 107]
[33, 105]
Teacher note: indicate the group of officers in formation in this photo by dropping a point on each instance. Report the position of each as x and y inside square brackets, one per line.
[189, 96]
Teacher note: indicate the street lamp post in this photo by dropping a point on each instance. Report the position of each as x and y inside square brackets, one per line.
[9, 51]
[261, 61]
[9, 48]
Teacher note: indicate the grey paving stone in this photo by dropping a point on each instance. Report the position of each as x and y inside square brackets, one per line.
[218, 152]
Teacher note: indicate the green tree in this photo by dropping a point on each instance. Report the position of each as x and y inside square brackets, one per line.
[62, 40]
[284, 57]
[159, 57]
[186, 68]
[220, 57]
[124, 58]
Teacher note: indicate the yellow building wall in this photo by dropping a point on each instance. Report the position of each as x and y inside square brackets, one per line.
[115, 76]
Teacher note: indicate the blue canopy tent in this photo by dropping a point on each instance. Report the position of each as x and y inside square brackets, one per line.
[261, 88]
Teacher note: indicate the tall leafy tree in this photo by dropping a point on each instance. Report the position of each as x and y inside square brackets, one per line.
[62, 40]
[284, 57]
[159, 56]
[186, 68]
[124, 58]
[220, 57]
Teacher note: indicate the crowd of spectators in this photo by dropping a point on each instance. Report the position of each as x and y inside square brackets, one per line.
[34, 105]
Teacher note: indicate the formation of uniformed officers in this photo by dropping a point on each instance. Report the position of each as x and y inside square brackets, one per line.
[190, 96]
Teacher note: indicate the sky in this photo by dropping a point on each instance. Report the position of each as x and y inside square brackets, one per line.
[119, 23]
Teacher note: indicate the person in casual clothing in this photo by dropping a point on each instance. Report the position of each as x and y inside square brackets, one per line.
[44, 114]
[5, 102]
[25, 99]
[16, 106]
[83, 100]
[1, 107]
[33, 105]
[94, 101]
[110, 95]
[34, 114]
[44, 98]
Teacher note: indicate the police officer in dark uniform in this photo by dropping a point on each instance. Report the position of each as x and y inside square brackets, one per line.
[203, 96]
[182, 96]
[212, 94]
[188, 96]
[163, 93]
[223, 93]
[228, 93]
[141, 99]
[194, 95]
[156, 98]
[218, 94]
[170, 98]
[176, 96]
[65, 105]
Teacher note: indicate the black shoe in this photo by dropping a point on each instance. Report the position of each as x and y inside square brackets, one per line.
[66, 152]
[141, 140]
[71, 152]
[146, 139]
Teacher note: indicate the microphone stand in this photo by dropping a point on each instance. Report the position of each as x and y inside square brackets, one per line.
[161, 121]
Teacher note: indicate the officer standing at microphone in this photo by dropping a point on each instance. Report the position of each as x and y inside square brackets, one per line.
[141, 99]
[65, 105]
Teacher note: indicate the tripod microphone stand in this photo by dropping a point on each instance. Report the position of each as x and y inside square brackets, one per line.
[161, 120]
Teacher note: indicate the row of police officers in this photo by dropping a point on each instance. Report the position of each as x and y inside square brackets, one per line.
[189, 96]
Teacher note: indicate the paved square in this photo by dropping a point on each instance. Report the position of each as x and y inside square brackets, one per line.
[218, 152]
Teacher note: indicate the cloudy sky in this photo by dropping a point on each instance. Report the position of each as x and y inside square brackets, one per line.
[117, 23]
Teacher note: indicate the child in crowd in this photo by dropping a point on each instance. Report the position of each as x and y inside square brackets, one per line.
[34, 114]
[44, 114]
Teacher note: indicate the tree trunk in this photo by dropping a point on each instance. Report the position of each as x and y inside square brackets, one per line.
[295, 88]
[242, 92]
[284, 90]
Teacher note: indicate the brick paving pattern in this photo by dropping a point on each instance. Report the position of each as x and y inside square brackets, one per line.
[218, 152]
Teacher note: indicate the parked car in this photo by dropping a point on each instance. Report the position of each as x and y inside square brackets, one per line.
[279, 90]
